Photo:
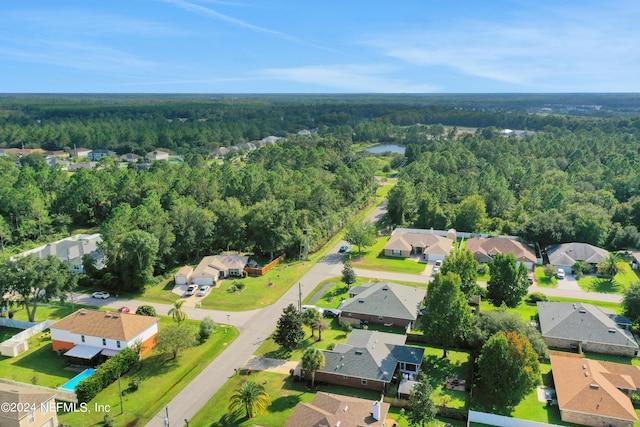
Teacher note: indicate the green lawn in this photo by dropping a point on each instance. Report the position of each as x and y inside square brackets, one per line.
[162, 379]
[48, 312]
[618, 285]
[6, 332]
[437, 369]
[543, 281]
[371, 259]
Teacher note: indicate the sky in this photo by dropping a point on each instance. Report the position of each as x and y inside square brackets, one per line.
[328, 46]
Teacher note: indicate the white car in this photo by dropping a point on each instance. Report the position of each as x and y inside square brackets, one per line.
[312, 307]
[191, 290]
[203, 290]
[100, 295]
[560, 273]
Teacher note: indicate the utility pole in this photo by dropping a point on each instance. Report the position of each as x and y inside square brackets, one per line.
[120, 392]
[305, 233]
[299, 296]
[166, 418]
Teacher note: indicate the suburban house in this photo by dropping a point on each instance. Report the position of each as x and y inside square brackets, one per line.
[86, 336]
[369, 360]
[328, 409]
[73, 167]
[215, 267]
[405, 242]
[382, 303]
[595, 393]
[585, 327]
[71, 250]
[157, 155]
[485, 248]
[183, 276]
[130, 158]
[78, 152]
[27, 407]
[96, 155]
[565, 255]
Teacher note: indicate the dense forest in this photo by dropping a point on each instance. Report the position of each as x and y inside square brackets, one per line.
[570, 178]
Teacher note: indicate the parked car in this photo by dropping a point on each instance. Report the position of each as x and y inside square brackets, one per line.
[124, 310]
[100, 295]
[435, 269]
[530, 278]
[191, 290]
[331, 312]
[560, 273]
[438, 263]
[312, 307]
[203, 290]
[343, 249]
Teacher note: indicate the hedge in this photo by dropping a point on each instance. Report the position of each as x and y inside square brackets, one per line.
[106, 373]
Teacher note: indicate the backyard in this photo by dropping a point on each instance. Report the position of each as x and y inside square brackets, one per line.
[162, 378]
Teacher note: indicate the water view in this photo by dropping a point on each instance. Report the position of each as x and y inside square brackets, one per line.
[383, 148]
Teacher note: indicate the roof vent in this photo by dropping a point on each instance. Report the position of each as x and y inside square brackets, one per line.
[361, 301]
[346, 407]
[107, 315]
[115, 316]
[575, 306]
[385, 289]
[612, 331]
[584, 366]
[358, 352]
[586, 374]
[582, 310]
[594, 386]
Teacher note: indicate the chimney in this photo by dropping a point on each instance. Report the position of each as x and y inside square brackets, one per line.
[376, 410]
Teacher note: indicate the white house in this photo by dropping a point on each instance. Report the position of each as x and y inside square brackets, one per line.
[157, 155]
[215, 267]
[71, 250]
[183, 276]
[89, 334]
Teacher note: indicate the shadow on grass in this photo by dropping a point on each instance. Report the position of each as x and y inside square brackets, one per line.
[44, 360]
[285, 403]
[235, 418]
[158, 364]
[602, 285]
[280, 353]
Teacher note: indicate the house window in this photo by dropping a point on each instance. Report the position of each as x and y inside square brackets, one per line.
[402, 366]
[396, 252]
[104, 341]
[344, 377]
[32, 417]
[82, 338]
[363, 381]
[118, 344]
[380, 318]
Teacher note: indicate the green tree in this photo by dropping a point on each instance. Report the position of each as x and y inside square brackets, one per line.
[207, 326]
[508, 368]
[508, 282]
[611, 266]
[550, 270]
[289, 331]
[309, 318]
[138, 255]
[320, 325]
[423, 408]
[631, 303]
[471, 214]
[361, 233]
[312, 361]
[5, 235]
[174, 339]
[36, 280]
[348, 275]
[252, 397]
[401, 203]
[178, 314]
[447, 315]
[464, 265]
[146, 310]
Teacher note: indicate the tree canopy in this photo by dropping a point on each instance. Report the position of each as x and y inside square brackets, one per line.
[508, 282]
[289, 331]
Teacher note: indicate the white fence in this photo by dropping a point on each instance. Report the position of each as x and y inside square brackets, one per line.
[30, 328]
[502, 421]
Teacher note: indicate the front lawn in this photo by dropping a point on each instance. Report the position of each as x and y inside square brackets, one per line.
[372, 259]
[618, 285]
[543, 281]
[48, 312]
[162, 379]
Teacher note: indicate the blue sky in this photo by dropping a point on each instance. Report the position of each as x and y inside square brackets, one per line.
[329, 46]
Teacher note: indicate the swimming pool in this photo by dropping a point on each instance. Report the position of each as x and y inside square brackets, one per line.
[73, 382]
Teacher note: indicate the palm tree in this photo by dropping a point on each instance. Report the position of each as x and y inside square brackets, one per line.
[312, 360]
[309, 317]
[252, 396]
[611, 266]
[321, 325]
[177, 312]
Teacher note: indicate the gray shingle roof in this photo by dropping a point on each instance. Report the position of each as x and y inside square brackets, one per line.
[370, 355]
[569, 253]
[386, 299]
[582, 322]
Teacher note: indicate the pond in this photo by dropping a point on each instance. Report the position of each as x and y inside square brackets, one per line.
[383, 148]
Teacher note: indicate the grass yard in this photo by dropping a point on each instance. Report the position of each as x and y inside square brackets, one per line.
[371, 259]
[39, 365]
[47, 312]
[543, 281]
[6, 333]
[618, 285]
[437, 369]
[162, 379]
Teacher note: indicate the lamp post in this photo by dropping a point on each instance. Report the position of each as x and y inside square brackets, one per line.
[228, 323]
[120, 393]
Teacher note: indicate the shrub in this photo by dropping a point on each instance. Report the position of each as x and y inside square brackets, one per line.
[146, 310]
[108, 421]
[550, 270]
[347, 327]
[207, 326]
[106, 373]
[483, 269]
[534, 297]
[134, 383]
[331, 346]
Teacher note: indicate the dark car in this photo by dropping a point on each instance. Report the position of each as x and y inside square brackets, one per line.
[343, 249]
[331, 313]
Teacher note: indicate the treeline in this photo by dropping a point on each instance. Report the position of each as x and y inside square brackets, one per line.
[199, 125]
[551, 187]
[171, 214]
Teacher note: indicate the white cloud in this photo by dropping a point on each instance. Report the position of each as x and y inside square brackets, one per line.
[351, 78]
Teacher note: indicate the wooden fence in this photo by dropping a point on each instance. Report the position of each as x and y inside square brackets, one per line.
[262, 271]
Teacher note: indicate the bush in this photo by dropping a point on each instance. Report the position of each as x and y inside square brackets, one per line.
[331, 346]
[207, 326]
[106, 373]
[108, 421]
[483, 269]
[534, 297]
[550, 271]
[134, 383]
[146, 310]
[347, 327]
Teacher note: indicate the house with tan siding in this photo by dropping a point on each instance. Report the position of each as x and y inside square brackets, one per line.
[485, 248]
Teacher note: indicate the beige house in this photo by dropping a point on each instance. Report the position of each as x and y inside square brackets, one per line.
[183, 276]
[594, 393]
[215, 267]
[328, 409]
[34, 407]
[485, 248]
[405, 242]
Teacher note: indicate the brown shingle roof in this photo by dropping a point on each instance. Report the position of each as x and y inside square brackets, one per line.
[493, 245]
[116, 326]
[22, 397]
[328, 409]
[590, 387]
